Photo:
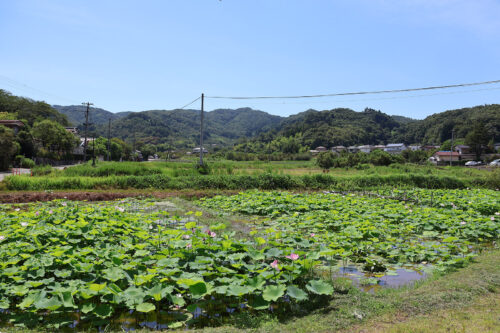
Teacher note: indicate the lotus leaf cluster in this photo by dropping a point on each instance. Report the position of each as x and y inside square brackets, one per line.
[378, 234]
[66, 263]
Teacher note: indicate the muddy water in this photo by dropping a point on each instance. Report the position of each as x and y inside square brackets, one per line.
[371, 283]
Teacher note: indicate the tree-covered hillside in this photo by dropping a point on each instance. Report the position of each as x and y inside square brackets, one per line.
[437, 128]
[181, 128]
[76, 114]
[28, 110]
[339, 127]
[256, 130]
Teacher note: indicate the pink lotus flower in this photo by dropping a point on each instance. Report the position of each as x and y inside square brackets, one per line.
[188, 246]
[313, 234]
[463, 222]
[17, 209]
[2, 238]
[211, 233]
[493, 218]
[186, 236]
[64, 204]
[293, 256]
[51, 212]
[24, 224]
[37, 213]
[274, 265]
[120, 209]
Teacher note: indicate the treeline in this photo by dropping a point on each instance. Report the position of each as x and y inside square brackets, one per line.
[327, 160]
[345, 127]
[43, 135]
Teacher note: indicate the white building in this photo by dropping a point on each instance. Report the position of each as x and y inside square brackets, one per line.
[365, 149]
[395, 148]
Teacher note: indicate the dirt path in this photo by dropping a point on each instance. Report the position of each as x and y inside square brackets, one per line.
[24, 197]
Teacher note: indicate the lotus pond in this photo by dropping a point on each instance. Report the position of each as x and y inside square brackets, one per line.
[130, 263]
[73, 264]
[378, 235]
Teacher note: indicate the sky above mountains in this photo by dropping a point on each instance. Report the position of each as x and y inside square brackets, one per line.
[137, 55]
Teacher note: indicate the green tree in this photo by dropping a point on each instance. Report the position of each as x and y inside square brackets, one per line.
[8, 147]
[53, 137]
[26, 143]
[476, 138]
[326, 160]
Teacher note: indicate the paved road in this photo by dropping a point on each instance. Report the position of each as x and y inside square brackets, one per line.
[28, 171]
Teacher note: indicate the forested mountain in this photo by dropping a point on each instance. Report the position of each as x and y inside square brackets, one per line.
[346, 127]
[28, 110]
[311, 128]
[403, 120]
[437, 128]
[334, 127]
[76, 114]
[181, 128]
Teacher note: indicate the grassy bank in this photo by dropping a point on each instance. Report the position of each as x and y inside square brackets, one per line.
[266, 181]
[230, 175]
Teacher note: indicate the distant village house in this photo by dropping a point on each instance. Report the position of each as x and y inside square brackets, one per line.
[16, 125]
[395, 148]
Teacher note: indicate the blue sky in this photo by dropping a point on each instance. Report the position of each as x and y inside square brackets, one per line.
[141, 55]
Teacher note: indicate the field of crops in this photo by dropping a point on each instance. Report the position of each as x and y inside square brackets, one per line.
[126, 263]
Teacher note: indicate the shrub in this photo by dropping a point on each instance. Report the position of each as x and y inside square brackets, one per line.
[203, 169]
[41, 170]
[326, 160]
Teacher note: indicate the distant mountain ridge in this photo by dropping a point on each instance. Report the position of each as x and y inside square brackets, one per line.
[326, 128]
[76, 114]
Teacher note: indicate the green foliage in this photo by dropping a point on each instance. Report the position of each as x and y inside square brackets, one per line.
[105, 260]
[179, 128]
[415, 156]
[29, 111]
[326, 160]
[53, 137]
[378, 234]
[477, 138]
[41, 170]
[24, 162]
[203, 169]
[437, 128]
[8, 146]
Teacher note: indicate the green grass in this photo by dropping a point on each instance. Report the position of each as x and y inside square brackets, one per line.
[250, 175]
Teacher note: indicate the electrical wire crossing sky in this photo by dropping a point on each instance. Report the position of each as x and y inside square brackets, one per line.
[268, 55]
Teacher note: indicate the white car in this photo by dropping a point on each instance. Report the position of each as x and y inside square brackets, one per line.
[495, 163]
[472, 163]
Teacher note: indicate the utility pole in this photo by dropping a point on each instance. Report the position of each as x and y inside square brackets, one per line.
[451, 147]
[93, 150]
[109, 138]
[88, 104]
[133, 149]
[201, 130]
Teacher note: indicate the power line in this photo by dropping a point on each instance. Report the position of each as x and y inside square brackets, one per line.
[380, 98]
[188, 104]
[358, 93]
[19, 85]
